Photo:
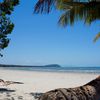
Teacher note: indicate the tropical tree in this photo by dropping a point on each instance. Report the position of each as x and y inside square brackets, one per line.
[6, 26]
[73, 10]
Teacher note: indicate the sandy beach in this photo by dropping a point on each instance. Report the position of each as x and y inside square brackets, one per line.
[38, 82]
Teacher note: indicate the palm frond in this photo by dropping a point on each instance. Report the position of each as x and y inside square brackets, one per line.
[88, 12]
[43, 6]
[97, 37]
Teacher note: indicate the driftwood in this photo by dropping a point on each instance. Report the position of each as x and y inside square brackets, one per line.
[6, 83]
[89, 91]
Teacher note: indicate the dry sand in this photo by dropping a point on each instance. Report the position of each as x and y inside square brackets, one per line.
[38, 82]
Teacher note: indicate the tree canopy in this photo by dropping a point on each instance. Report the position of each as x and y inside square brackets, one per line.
[6, 26]
[73, 10]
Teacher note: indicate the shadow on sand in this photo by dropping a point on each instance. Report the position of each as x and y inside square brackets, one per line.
[2, 90]
[36, 95]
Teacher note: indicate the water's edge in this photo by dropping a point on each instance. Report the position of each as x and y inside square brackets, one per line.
[95, 70]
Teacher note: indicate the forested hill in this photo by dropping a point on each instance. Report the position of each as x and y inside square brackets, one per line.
[51, 65]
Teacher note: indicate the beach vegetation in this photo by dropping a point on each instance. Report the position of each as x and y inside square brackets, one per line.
[6, 26]
[72, 11]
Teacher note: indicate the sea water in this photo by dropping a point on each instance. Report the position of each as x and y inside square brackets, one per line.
[58, 69]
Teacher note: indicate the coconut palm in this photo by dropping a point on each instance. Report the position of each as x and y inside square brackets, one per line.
[73, 10]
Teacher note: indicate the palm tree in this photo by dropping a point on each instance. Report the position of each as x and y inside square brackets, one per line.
[73, 10]
[89, 91]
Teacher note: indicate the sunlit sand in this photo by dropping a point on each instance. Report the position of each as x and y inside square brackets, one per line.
[39, 82]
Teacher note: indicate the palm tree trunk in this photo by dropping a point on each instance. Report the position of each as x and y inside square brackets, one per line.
[90, 91]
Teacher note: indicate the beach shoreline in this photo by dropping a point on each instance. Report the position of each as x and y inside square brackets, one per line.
[40, 82]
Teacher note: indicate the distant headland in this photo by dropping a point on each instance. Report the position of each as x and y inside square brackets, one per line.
[50, 65]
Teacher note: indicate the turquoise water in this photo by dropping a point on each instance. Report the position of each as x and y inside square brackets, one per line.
[58, 69]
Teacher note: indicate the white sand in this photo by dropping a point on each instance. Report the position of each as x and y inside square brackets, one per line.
[42, 81]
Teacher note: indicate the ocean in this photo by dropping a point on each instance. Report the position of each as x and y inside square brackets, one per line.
[58, 69]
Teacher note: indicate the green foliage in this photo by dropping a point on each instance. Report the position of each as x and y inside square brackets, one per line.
[6, 26]
[73, 10]
[87, 11]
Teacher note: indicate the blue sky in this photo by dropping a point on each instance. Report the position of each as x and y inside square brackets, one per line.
[38, 39]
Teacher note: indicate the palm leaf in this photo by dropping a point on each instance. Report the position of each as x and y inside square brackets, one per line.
[88, 12]
[43, 6]
[97, 37]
